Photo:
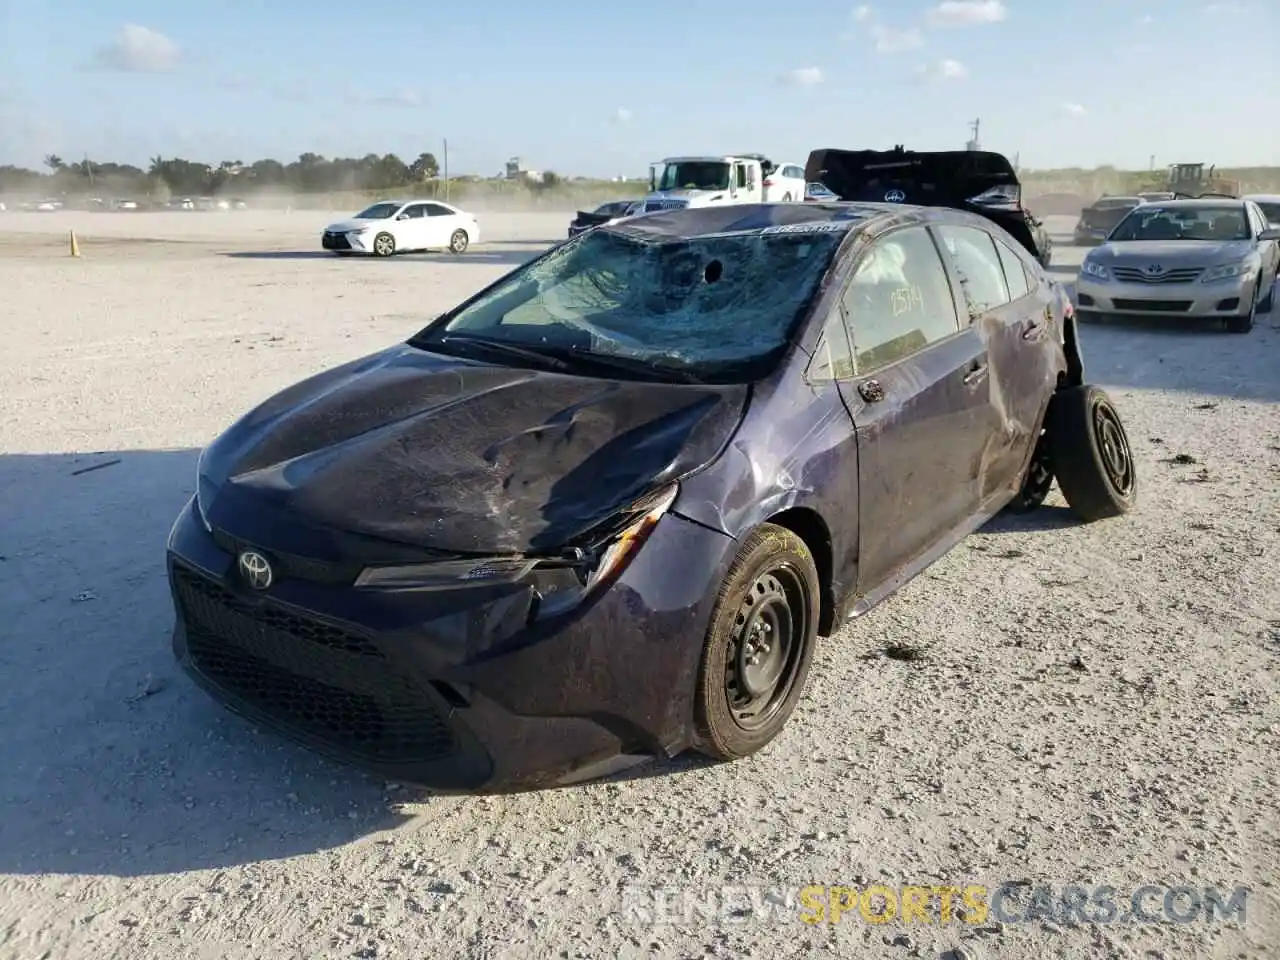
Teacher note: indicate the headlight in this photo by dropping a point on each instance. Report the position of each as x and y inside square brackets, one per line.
[560, 581]
[1227, 271]
[1095, 270]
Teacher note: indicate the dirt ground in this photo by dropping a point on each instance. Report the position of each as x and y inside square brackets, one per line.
[1089, 705]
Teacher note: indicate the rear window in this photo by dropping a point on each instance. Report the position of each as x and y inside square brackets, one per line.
[1116, 203]
[705, 303]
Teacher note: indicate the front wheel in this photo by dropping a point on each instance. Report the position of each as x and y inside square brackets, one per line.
[384, 245]
[759, 645]
[1244, 322]
[1090, 454]
[459, 241]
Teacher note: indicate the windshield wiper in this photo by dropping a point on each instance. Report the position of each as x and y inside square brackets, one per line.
[544, 358]
[647, 368]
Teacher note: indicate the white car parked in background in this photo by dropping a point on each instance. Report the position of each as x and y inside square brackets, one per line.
[785, 184]
[398, 226]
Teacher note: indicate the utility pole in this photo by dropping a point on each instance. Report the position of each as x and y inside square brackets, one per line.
[445, 143]
[88, 168]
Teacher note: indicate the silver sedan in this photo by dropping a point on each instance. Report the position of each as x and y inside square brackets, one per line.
[1207, 258]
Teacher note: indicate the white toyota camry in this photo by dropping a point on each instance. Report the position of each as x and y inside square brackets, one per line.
[398, 226]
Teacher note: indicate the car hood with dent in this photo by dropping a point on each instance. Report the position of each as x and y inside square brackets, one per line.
[1172, 253]
[454, 455]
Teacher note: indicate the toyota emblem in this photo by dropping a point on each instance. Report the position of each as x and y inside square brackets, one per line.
[895, 196]
[1155, 268]
[255, 570]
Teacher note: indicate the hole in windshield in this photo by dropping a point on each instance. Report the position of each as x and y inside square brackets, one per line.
[723, 307]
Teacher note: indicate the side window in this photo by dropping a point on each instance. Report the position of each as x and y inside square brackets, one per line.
[833, 360]
[415, 211]
[741, 170]
[1256, 221]
[794, 172]
[899, 300]
[1015, 271]
[973, 252]
[435, 210]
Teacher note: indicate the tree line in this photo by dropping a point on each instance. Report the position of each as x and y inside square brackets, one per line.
[165, 177]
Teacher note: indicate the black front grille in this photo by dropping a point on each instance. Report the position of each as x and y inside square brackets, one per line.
[290, 565]
[311, 676]
[1153, 306]
[335, 241]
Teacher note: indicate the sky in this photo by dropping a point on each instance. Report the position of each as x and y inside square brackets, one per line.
[602, 90]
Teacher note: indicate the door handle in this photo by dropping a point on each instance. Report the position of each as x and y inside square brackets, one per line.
[975, 373]
[1032, 329]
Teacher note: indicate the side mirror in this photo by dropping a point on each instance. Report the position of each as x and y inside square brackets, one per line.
[1271, 233]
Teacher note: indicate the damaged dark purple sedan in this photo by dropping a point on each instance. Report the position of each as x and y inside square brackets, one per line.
[603, 510]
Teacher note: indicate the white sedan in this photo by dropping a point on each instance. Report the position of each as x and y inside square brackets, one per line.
[398, 226]
[785, 183]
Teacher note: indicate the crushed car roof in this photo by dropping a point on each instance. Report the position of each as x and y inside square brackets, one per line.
[691, 223]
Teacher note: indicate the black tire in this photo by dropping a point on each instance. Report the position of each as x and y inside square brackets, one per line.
[458, 242]
[772, 585]
[1038, 480]
[1243, 323]
[1268, 299]
[384, 245]
[786, 198]
[1090, 454]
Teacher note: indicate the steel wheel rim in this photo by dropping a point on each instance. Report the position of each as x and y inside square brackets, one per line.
[1113, 445]
[765, 647]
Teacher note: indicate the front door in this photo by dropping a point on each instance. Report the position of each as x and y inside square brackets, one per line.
[411, 232]
[920, 400]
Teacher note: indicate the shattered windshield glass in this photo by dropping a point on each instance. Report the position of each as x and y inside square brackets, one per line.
[695, 175]
[716, 306]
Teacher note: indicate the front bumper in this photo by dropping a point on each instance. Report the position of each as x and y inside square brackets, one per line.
[350, 242]
[422, 689]
[1196, 299]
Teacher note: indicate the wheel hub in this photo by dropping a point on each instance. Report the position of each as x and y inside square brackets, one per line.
[762, 654]
[1114, 447]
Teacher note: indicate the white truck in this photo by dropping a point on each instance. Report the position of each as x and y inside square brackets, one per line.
[678, 182]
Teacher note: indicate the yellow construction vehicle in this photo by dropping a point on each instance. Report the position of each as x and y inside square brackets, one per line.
[1189, 179]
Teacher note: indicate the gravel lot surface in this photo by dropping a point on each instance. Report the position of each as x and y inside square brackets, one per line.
[1083, 705]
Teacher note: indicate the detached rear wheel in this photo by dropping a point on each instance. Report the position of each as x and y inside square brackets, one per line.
[1090, 454]
[758, 648]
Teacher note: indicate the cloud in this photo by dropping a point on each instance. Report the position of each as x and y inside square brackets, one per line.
[946, 69]
[1146, 19]
[402, 98]
[622, 115]
[1074, 109]
[138, 49]
[802, 77]
[862, 14]
[959, 13]
[889, 41]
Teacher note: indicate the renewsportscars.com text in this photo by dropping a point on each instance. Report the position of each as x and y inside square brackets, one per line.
[935, 904]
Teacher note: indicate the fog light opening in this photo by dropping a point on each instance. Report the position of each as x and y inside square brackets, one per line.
[451, 694]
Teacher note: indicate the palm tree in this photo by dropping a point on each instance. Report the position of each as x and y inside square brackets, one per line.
[54, 162]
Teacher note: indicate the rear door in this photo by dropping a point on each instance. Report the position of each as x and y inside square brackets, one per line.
[920, 402]
[440, 224]
[1006, 301]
